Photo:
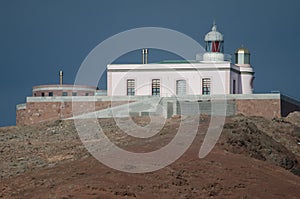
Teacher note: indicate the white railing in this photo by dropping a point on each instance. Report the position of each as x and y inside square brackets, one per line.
[227, 57]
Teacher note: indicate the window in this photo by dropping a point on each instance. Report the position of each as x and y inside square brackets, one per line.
[234, 87]
[50, 94]
[180, 87]
[156, 87]
[130, 87]
[43, 94]
[74, 94]
[215, 46]
[64, 94]
[206, 86]
[86, 94]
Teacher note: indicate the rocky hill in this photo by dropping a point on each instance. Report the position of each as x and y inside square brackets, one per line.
[254, 158]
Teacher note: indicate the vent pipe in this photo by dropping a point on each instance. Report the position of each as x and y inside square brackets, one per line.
[61, 75]
[145, 56]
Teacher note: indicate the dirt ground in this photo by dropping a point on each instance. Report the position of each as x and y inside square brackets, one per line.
[254, 158]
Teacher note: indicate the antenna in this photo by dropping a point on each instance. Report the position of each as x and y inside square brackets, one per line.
[214, 27]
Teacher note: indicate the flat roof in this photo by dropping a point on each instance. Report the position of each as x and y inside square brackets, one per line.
[63, 87]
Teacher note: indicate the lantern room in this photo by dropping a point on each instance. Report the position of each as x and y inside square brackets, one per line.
[214, 41]
[214, 45]
[242, 56]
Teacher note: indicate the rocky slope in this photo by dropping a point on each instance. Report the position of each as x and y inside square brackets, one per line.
[254, 158]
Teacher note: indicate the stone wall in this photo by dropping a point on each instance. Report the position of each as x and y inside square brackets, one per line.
[39, 109]
[36, 112]
[268, 108]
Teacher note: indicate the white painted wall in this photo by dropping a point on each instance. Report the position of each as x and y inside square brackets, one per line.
[246, 78]
[220, 74]
[237, 77]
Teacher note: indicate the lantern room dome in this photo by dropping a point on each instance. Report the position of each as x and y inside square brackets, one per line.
[214, 35]
[242, 50]
[242, 56]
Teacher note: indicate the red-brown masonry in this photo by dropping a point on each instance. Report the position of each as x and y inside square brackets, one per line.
[268, 108]
[36, 112]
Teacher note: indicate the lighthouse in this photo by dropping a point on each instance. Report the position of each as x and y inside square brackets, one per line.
[212, 73]
[214, 45]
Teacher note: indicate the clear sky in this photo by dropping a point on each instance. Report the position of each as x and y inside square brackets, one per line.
[40, 37]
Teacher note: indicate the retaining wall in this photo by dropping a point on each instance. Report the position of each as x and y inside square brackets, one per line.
[39, 109]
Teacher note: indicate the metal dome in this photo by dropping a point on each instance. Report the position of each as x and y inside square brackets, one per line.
[214, 35]
[242, 50]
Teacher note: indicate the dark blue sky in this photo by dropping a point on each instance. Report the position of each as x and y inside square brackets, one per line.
[40, 37]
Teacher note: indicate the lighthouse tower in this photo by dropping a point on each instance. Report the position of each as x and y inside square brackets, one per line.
[242, 59]
[214, 45]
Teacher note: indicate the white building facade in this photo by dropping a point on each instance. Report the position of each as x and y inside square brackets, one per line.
[209, 74]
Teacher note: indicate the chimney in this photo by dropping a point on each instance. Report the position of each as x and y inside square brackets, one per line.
[146, 56]
[143, 56]
[61, 75]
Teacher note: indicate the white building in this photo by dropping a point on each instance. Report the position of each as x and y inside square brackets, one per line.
[209, 74]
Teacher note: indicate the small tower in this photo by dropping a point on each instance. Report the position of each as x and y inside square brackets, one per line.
[242, 59]
[214, 45]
